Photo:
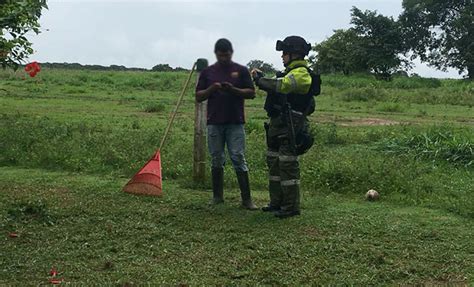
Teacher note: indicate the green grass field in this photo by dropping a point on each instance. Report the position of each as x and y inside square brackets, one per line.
[69, 141]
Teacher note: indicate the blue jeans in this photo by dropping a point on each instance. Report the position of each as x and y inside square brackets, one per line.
[232, 135]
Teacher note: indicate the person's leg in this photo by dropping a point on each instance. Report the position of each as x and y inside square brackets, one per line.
[290, 181]
[235, 139]
[215, 142]
[274, 186]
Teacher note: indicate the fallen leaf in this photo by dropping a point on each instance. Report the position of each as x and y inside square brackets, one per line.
[53, 272]
[55, 281]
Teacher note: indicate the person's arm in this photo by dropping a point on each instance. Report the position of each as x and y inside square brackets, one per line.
[266, 84]
[246, 88]
[202, 95]
[246, 93]
[297, 81]
[203, 89]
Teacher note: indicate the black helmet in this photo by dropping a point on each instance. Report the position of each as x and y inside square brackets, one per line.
[294, 45]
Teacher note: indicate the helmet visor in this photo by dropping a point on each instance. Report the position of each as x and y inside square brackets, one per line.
[281, 46]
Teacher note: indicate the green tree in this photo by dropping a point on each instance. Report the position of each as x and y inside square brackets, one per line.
[262, 66]
[162, 68]
[380, 41]
[373, 44]
[17, 18]
[340, 53]
[441, 32]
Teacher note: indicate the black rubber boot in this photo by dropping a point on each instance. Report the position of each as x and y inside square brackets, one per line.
[275, 197]
[217, 186]
[244, 184]
[270, 208]
[287, 213]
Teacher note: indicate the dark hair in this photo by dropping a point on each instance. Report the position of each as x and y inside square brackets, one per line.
[223, 45]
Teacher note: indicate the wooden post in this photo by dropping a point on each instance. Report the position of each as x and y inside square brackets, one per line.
[200, 123]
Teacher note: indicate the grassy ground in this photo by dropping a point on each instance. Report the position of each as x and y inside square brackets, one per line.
[70, 140]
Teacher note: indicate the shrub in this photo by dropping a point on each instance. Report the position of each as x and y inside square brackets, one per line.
[154, 108]
[363, 95]
[391, 108]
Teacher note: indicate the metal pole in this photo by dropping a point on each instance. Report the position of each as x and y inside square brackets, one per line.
[200, 123]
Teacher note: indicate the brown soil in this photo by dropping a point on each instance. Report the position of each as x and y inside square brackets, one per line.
[359, 121]
[368, 122]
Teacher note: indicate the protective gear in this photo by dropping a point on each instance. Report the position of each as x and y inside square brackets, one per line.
[301, 140]
[267, 84]
[304, 140]
[274, 179]
[290, 124]
[244, 184]
[295, 80]
[285, 214]
[217, 186]
[301, 98]
[284, 172]
[294, 45]
[290, 98]
[270, 208]
[257, 76]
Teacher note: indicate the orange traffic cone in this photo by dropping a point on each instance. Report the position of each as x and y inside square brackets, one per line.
[148, 179]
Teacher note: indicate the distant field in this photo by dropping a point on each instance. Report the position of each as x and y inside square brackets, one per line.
[69, 140]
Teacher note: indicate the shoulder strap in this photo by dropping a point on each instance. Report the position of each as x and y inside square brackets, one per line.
[300, 66]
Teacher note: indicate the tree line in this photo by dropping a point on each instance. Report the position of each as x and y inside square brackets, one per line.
[439, 32]
[77, 66]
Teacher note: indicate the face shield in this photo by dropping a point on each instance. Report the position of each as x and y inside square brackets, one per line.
[281, 46]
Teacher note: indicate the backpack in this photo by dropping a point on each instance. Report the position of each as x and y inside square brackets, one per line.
[315, 89]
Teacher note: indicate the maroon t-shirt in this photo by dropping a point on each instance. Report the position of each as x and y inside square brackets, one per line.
[224, 107]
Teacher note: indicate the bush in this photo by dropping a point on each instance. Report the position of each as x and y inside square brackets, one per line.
[363, 95]
[154, 108]
[391, 108]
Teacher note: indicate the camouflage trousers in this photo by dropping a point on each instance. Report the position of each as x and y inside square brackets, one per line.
[283, 167]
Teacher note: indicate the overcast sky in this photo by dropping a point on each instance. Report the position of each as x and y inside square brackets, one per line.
[146, 33]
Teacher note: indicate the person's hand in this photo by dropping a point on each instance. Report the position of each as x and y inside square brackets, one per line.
[227, 86]
[255, 72]
[214, 87]
[256, 75]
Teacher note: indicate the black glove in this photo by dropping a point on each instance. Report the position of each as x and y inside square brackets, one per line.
[280, 74]
[258, 75]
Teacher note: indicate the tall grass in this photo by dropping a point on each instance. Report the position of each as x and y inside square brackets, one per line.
[438, 143]
[362, 88]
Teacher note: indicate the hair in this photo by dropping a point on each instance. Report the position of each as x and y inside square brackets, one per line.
[223, 45]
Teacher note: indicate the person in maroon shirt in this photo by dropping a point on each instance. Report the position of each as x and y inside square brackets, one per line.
[225, 85]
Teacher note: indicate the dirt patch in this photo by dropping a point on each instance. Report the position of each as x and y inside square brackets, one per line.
[368, 122]
[348, 122]
[311, 231]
